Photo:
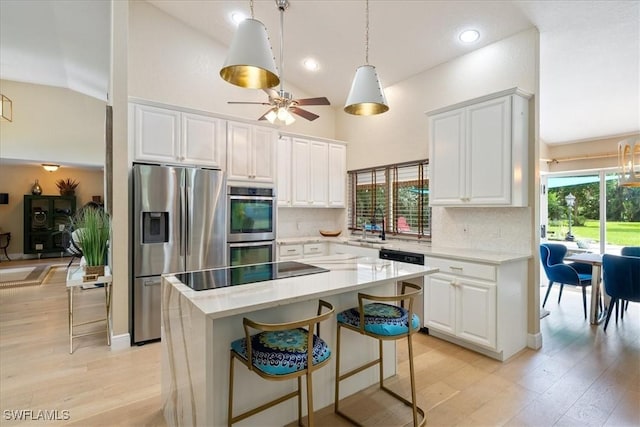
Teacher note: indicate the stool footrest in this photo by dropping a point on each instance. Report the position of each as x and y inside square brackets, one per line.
[261, 408]
[358, 369]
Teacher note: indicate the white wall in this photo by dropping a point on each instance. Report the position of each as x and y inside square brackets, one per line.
[294, 222]
[172, 63]
[52, 125]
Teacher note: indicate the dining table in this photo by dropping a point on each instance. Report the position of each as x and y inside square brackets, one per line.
[596, 312]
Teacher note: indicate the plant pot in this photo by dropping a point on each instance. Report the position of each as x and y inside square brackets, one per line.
[92, 272]
[67, 192]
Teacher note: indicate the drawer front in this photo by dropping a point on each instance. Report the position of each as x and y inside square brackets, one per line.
[290, 251]
[314, 249]
[463, 268]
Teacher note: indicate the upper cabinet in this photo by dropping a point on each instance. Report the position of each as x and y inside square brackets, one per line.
[478, 152]
[172, 136]
[251, 152]
[311, 173]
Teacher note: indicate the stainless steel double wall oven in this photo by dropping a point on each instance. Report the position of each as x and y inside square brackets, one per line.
[251, 229]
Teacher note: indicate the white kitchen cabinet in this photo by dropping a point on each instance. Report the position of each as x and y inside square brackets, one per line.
[337, 175]
[478, 305]
[309, 173]
[289, 252]
[479, 152]
[342, 248]
[299, 251]
[284, 171]
[316, 173]
[168, 135]
[251, 153]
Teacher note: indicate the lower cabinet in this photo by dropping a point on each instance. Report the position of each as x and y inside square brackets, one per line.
[298, 251]
[477, 305]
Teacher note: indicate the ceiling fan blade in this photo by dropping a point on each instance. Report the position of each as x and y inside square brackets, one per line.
[304, 113]
[313, 101]
[247, 102]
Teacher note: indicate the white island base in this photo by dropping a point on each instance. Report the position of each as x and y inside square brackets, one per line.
[198, 328]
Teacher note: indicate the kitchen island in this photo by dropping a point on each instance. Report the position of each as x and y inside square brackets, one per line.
[198, 327]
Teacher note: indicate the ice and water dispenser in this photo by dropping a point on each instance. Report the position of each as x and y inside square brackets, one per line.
[155, 227]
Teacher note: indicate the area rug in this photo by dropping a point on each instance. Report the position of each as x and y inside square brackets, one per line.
[23, 276]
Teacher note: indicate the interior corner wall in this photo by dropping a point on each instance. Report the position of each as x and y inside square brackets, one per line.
[52, 125]
[172, 63]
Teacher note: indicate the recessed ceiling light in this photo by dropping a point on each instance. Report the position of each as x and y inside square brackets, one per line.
[311, 64]
[238, 17]
[469, 36]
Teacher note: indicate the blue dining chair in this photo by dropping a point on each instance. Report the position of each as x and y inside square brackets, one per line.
[575, 273]
[628, 251]
[621, 280]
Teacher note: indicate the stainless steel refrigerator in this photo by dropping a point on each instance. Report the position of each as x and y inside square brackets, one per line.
[179, 224]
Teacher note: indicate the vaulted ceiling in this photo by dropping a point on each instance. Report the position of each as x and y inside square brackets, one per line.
[589, 50]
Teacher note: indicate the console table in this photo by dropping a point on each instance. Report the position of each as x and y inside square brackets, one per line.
[75, 280]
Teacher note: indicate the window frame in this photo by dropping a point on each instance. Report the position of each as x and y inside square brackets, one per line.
[391, 186]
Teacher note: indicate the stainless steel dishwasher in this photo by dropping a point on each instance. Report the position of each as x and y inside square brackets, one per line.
[410, 258]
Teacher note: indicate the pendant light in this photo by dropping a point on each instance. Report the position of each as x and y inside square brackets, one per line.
[250, 62]
[366, 96]
[629, 162]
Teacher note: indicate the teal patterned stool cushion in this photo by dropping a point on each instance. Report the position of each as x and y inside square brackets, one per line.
[380, 319]
[282, 352]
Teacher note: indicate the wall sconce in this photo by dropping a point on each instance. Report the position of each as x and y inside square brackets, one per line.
[4, 198]
[6, 109]
[50, 167]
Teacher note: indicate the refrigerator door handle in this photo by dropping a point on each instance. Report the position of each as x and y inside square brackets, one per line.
[187, 227]
[152, 282]
[183, 209]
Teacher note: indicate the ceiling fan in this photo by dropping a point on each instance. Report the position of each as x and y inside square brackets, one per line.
[283, 103]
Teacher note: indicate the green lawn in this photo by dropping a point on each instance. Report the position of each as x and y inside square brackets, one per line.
[618, 233]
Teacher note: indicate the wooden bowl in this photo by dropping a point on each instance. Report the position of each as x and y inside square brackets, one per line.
[327, 233]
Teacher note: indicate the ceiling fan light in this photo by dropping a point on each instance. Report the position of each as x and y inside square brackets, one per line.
[366, 96]
[271, 116]
[250, 62]
[289, 119]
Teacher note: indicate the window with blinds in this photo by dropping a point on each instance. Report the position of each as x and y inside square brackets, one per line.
[396, 195]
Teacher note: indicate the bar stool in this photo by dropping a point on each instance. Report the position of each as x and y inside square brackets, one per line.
[281, 352]
[382, 322]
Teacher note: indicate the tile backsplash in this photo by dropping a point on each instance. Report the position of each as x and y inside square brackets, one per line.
[298, 222]
[492, 229]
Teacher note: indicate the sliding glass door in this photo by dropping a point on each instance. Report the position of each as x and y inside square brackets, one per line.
[591, 212]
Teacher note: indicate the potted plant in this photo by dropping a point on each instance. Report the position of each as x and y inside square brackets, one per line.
[67, 186]
[93, 228]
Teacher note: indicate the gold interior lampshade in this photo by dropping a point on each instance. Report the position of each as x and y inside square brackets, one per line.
[250, 62]
[629, 162]
[366, 96]
[6, 109]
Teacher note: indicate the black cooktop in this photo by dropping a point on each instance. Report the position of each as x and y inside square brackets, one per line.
[244, 274]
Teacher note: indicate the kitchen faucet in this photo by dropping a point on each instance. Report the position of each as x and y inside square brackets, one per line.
[373, 222]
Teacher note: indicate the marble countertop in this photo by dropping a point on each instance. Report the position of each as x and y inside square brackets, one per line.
[346, 273]
[461, 254]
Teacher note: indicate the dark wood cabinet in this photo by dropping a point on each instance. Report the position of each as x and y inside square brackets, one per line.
[45, 217]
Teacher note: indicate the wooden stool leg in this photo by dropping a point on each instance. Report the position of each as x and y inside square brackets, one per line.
[413, 382]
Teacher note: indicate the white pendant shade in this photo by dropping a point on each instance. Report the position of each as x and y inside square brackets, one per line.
[250, 62]
[366, 96]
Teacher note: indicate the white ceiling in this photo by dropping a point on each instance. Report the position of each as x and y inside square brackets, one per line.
[589, 50]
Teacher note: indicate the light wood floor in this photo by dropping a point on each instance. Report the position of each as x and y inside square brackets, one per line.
[581, 376]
